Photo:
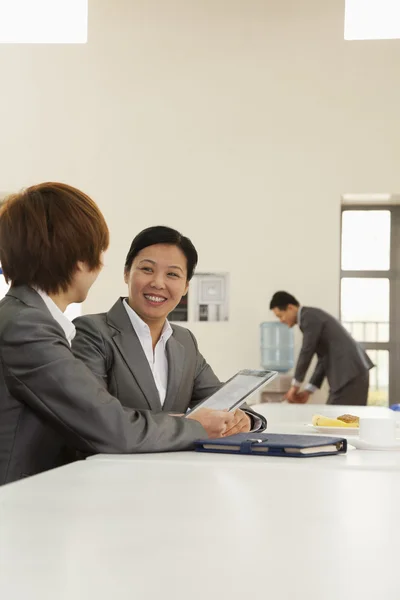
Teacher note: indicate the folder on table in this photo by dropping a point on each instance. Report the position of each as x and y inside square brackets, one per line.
[274, 444]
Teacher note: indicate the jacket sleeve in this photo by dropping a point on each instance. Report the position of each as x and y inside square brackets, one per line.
[312, 327]
[318, 376]
[88, 346]
[41, 372]
[207, 383]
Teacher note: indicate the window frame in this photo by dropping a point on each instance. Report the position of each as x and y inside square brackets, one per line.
[393, 274]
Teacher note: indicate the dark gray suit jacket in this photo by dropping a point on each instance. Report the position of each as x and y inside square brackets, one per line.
[107, 343]
[340, 357]
[51, 405]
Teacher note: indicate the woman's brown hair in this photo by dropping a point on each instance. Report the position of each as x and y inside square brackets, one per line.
[45, 230]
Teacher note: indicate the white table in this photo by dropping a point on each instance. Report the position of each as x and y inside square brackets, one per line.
[194, 526]
[283, 412]
[293, 418]
[190, 526]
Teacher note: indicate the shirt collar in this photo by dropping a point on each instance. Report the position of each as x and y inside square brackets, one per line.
[299, 315]
[141, 327]
[67, 325]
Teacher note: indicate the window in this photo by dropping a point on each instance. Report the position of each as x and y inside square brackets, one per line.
[372, 20]
[43, 21]
[370, 291]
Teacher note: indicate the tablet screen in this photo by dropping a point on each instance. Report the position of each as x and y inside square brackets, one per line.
[236, 390]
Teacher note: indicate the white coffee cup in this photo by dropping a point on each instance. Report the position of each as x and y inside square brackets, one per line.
[378, 431]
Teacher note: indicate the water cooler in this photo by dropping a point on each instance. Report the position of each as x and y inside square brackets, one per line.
[277, 354]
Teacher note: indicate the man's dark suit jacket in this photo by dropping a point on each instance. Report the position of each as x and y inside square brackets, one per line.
[340, 357]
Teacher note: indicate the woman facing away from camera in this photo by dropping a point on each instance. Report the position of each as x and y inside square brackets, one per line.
[134, 351]
[52, 237]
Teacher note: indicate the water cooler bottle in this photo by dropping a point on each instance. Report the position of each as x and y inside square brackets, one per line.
[277, 354]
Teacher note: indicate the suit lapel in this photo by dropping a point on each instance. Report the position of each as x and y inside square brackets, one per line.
[176, 360]
[130, 348]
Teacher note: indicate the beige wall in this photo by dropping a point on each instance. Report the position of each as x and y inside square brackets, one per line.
[239, 122]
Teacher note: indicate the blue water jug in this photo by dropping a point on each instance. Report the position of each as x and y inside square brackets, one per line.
[277, 347]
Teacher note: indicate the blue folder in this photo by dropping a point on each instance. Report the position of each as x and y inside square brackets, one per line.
[274, 444]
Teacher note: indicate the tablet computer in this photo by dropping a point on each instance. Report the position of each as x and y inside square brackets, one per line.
[236, 390]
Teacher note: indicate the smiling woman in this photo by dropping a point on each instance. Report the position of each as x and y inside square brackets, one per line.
[158, 268]
[134, 351]
[157, 280]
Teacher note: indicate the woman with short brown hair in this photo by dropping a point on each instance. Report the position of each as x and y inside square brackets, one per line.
[45, 231]
[52, 237]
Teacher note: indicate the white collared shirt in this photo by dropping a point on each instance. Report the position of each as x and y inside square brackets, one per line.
[299, 316]
[67, 325]
[157, 359]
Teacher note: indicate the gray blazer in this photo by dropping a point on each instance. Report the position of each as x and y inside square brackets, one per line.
[52, 406]
[340, 357]
[107, 343]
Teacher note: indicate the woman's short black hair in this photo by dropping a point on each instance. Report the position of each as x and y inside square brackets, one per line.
[163, 235]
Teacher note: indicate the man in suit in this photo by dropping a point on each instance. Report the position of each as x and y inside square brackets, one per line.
[52, 238]
[133, 350]
[340, 358]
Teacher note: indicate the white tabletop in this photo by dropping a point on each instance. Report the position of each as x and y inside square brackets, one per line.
[283, 412]
[295, 418]
[188, 526]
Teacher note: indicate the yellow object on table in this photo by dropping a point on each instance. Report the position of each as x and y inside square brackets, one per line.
[320, 421]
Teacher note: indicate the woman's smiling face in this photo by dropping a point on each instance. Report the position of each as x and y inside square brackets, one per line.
[157, 280]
